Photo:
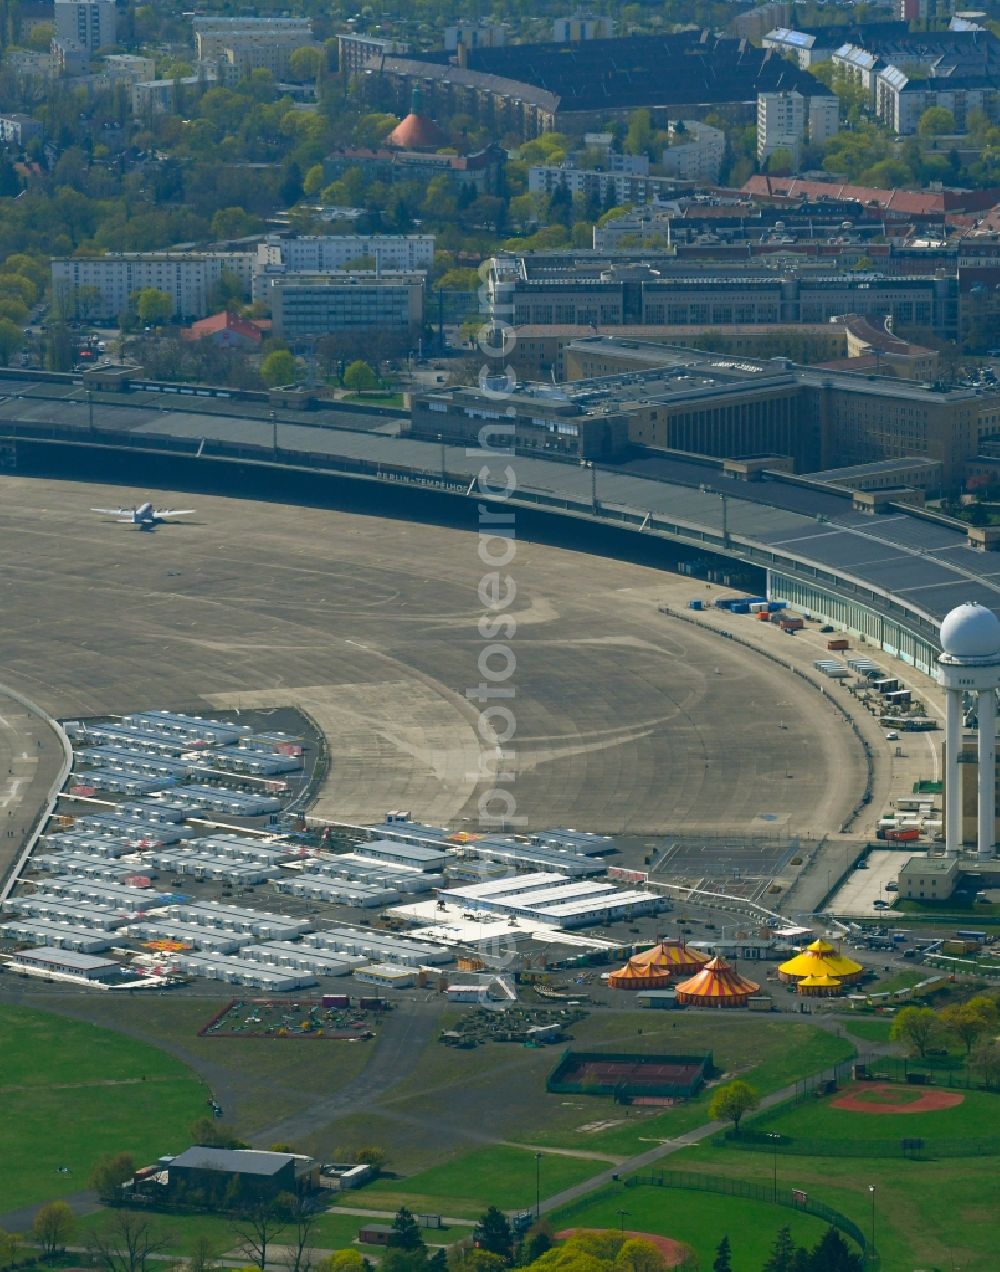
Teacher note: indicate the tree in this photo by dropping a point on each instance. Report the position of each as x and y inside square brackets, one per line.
[918, 1028]
[233, 223]
[406, 1235]
[342, 1261]
[305, 63]
[258, 1227]
[935, 122]
[782, 1256]
[359, 378]
[637, 1255]
[832, 1254]
[108, 1175]
[781, 162]
[126, 1242]
[984, 1061]
[10, 1248]
[153, 306]
[279, 368]
[301, 1216]
[493, 1233]
[723, 1256]
[53, 1227]
[539, 1241]
[732, 1101]
[11, 339]
[204, 1256]
[970, 1021]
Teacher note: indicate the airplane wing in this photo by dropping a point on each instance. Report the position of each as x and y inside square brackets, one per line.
[114, 512]
[174, 512]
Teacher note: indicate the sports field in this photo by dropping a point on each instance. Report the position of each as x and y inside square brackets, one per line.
[698, 1219]
[975, 1115]
[936, 1214]
[73, 1092]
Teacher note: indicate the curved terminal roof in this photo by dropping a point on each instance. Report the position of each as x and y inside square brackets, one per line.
[906, 567]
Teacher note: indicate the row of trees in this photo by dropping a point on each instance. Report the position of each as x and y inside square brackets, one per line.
[973, 1024]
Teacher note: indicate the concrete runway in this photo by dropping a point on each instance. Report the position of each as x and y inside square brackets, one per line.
[626, 720]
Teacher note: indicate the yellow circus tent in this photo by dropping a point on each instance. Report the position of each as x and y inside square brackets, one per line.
[821, 986]
[820, 959]
[672, 956]
[717, 985]
[638, 976]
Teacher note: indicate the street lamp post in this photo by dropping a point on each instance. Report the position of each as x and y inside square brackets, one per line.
[274, 433]
[622, 1216]
[90, 408]
[871, 1189]
[774, 1138]
[538, 1185]
[441, 444]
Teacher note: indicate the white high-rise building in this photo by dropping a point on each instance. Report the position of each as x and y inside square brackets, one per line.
[88, 24]
[787, 120]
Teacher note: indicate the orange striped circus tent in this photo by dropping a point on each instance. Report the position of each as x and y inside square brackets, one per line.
[638, 976]
[674, 957]
[717, 985]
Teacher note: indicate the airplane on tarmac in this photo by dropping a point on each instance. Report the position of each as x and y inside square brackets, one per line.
[145, 516]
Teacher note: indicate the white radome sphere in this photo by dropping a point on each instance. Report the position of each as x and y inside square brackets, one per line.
[971, 631]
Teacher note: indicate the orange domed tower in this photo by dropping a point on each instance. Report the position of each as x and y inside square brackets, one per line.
[417, 131]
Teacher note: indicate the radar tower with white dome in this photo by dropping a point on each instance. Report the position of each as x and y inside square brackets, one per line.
[970, 663]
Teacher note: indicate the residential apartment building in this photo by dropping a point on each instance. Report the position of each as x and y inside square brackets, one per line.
[102, 287]
[474, 35]
[901, 99]
[756, 23]
[212, 35]
[304, 306]
[809, 46]
[169, 96]
[579, 27]
[87, 24]
[356, 52]
[696, 151]
[280, 257]
[788, 121]
[129, 67]
[17, 130]
[591, 183]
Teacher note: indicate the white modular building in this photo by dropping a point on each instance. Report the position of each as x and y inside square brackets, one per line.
[239, 971]
[197, 730]
[378, 947]
[95, 918]
[303, 958]
[61, 936]
[554, 899]
[231, 918]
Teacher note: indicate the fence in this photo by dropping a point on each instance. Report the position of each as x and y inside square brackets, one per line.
[913, 1149]
[795, 1199]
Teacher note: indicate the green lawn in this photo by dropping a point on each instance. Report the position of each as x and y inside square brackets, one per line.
[698, 1219]
[978, 1116]
[902, 980]
[871, 1029]
[375, 398]
[939, 1214]
[73, 1092]
[497, 1176]
[768, 1057]
[332, 1231]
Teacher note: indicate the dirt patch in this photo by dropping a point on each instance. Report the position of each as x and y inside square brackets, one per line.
[883, 1097]
[675, 1253]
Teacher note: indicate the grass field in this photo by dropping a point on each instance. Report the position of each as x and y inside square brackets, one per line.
[978, 1116]
[332, 1231]
[928, 1214]
[499, 1176]
[766, 1054]
[698, 1219]
[871, 1029]
[72, 1092]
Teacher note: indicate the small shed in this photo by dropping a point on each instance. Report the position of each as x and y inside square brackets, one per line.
[376, 1234]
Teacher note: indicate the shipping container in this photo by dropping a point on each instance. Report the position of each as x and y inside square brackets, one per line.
[696, 605]
[740, 607]
[840, 642]
[764, 616]
[775, 606]
[903, 834]
[791, 623]
[336, 1000]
